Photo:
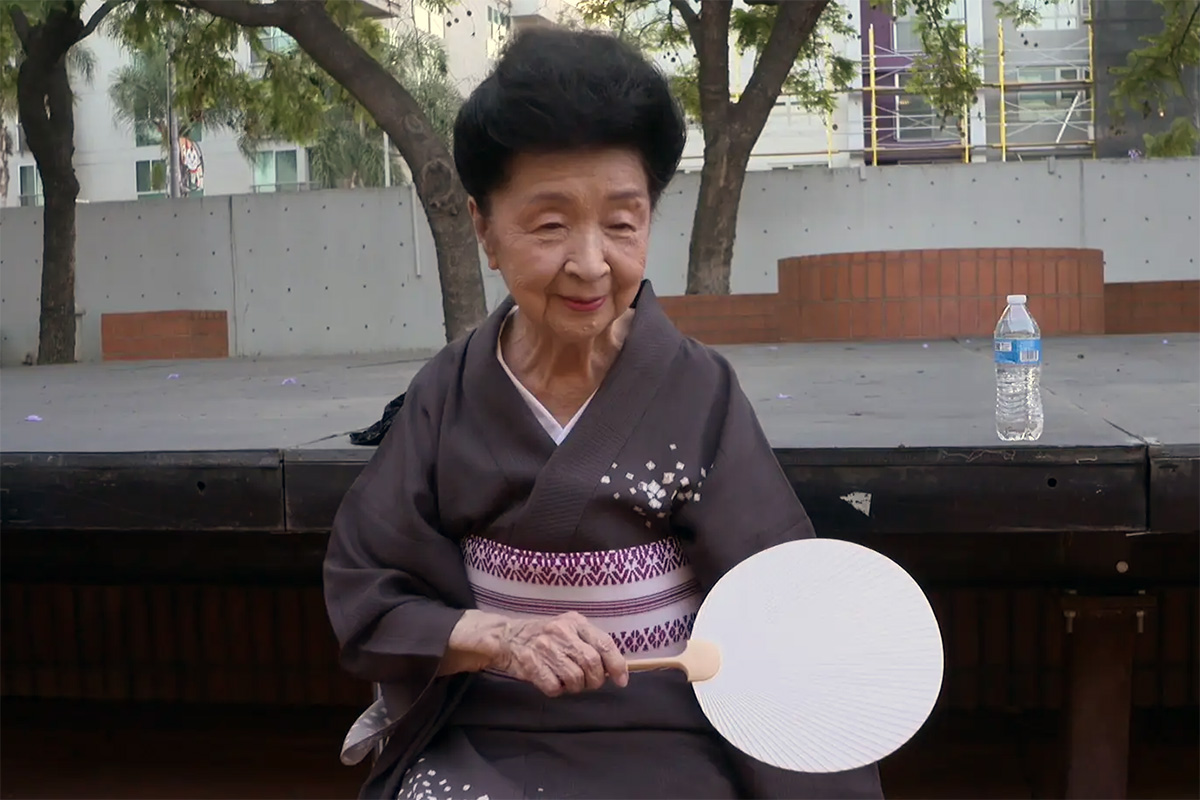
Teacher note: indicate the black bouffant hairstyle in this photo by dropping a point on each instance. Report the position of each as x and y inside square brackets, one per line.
[555, 90]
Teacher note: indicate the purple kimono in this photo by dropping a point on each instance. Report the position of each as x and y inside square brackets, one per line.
[664, 483]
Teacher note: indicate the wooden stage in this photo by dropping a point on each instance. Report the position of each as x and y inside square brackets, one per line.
[162, 528]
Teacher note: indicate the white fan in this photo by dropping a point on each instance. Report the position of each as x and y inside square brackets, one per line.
[816, 655]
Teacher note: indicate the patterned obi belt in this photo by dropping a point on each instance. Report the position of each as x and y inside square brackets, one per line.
[645, 597]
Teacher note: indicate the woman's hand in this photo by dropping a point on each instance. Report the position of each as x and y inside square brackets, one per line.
[559, 655]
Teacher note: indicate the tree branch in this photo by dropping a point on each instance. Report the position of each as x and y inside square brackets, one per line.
[1183, 38]
[794, 26]
[252, 15]
[690, 18]
[20, 24]
[98, 17]
[712, 55]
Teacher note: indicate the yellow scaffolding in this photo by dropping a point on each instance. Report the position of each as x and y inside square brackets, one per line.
[874, 96]
[1006, 121]
[1091, 39]
[1003, 97]
[964, 123]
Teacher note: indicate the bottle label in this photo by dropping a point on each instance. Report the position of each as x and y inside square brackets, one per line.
[1024, 352]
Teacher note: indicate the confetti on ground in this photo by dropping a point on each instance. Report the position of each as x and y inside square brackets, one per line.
[174, 376]
[288, 382]
[33, 418]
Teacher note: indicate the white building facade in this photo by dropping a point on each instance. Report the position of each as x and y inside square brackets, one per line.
[114, 163]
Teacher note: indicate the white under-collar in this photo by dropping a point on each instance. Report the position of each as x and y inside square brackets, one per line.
[552, 427]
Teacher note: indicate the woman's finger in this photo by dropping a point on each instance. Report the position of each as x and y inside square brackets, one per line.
[611, 658]
[546, 682]
[569, 673]
[593, 666]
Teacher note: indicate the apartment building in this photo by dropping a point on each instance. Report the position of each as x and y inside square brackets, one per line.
[1039, 97]
[115, 161]
[1036, 99]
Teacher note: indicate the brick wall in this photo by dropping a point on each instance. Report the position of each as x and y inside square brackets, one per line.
[1155, 307]
[928, 294]
[164, 335]
[727, 319]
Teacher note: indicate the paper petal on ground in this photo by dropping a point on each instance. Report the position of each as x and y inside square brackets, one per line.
[288, 382]
[174, 376]
[784, 397]
[33, 418]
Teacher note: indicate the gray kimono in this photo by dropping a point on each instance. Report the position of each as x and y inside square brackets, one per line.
[664, 483]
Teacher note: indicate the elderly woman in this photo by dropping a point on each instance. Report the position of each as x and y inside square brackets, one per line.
[563, 485]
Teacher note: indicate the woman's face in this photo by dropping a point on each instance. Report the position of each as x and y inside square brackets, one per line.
[569, 231]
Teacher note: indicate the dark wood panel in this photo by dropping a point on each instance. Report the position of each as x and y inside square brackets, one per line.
[1175, 488]
[1091, 560]
[974, 497]
[912, 490]
[130, 751]
[253, 557]
[1110, 561]
[315, 489]
[142, 491]
[220, 643]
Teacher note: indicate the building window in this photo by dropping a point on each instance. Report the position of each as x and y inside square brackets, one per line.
[907, 39]
[151, 178]
[429, 20]
[498, 28]
[1052, 103]
[1057, 15]
[275, 171]
[30, 185]
[273, 40]
[917, 121]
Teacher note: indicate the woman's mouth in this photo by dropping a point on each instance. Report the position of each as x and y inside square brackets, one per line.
[583, 304]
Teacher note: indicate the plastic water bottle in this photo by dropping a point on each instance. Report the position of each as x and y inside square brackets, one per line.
[1018, 354]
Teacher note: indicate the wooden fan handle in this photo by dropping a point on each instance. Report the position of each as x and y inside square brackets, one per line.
[699, 661]
[649, 664]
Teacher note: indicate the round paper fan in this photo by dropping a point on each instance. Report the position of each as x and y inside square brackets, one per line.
[827, 656]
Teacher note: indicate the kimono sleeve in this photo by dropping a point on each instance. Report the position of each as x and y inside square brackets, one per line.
[745, 502]
[395, 587]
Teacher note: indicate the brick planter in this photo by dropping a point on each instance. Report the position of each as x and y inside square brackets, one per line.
[1154, 307]
[907, 294]
[164, 335]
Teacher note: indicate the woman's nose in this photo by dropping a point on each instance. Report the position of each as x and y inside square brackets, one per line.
[587, 261]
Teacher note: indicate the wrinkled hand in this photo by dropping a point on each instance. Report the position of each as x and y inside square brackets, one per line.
[560, 655]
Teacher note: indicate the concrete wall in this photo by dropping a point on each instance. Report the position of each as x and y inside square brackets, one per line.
[355, 271]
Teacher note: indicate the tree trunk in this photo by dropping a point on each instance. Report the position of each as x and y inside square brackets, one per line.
[6, 150]
[46, 108]
[732, 129]
[714, 226]
[395, 110]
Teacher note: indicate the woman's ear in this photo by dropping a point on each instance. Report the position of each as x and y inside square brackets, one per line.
[482, 228]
